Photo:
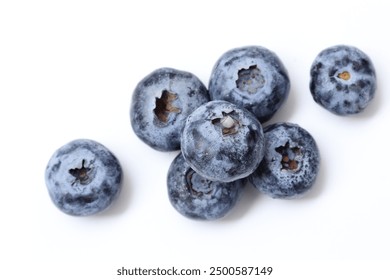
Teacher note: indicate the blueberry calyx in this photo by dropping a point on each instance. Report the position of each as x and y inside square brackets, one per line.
[197, 185]
[250, 80]
[81, 174]
[164, 106]
[290, 156]
[227, 123]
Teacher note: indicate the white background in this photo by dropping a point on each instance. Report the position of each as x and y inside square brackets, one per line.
[67, 71]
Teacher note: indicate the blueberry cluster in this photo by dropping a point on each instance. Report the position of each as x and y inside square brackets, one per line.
[221, 137]
[220, 133]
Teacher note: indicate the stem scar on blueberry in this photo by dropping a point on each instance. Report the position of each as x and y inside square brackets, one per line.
[250, 80]
[81, 174]
[164, 106]
[344, 75]
[289, 155]
[228, 124]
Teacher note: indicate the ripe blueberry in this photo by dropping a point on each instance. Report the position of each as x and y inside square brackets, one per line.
[83, 177]
[291, 162]
[343, 80]
[160, 104]
[252, 77]
[222, 142]
[196, 197]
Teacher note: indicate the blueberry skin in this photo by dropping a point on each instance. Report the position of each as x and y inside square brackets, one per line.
[342, 80]
[195, 197]
[160, 105]
[252, 77]
[291, 162]
[83, 177]
[222, 142]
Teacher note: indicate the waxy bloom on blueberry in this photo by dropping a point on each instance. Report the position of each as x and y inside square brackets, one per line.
[83, 177]
[195, 197]
[343, 80]
[222, 142]
[160, 105]
[252, 77]
[291, 162]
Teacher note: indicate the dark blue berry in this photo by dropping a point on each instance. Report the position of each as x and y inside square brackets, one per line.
[83, 177]
[343, 80]
[160, 104]
[252, 77]
[291, 162]
[195, 197]
[222, 142]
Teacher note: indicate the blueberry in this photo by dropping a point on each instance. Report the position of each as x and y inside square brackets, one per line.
[222, 142]
[343, 80]
[83, 177]
[252, 77]
[291, 162]
[160, 104]
[195, 197]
